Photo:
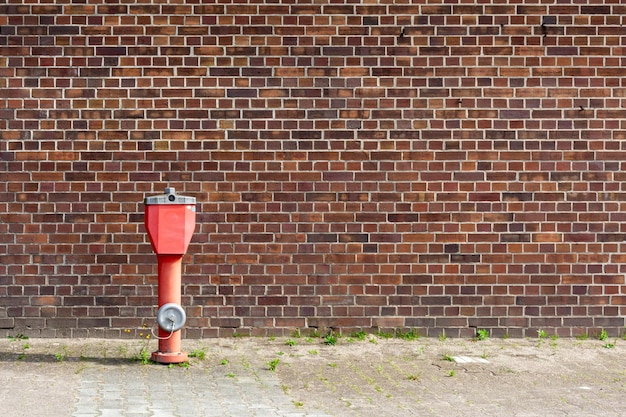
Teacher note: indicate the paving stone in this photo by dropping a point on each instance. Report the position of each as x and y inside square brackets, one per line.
[116, 391]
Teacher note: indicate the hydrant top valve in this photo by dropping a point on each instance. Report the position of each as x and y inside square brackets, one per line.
[169, 197]
[170, 220]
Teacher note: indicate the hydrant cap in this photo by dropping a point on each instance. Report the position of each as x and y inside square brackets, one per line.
[171, 317]
[169, 197]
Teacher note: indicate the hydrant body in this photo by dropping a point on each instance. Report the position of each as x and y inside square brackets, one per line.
[170, 221]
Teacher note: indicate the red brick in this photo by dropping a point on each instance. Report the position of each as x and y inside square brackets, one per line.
[397, 175]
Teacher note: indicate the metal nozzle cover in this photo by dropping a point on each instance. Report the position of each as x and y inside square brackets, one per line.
[169, 197]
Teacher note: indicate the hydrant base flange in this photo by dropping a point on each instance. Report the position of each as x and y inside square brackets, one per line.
[167, 358]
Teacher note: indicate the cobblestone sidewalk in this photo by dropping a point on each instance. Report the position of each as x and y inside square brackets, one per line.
[370, 377]
[143, 391]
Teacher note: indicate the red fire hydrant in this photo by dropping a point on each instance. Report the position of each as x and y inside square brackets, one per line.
[170, 220]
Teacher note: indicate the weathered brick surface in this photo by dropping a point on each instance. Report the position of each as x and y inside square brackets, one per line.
[356, 165]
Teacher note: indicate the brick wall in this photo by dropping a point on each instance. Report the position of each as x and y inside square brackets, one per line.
[389, 164]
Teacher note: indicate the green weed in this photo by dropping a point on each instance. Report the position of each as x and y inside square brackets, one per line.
[409, 336]
[360, 335]
[330, 339]
[198, 353]
[22, 355]
[290, 342]
[553, 340]
[482, 334]
[271, 365]
[603, 336]
[142, 357]
[384, 335]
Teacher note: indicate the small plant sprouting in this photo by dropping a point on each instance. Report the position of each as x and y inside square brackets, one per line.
[451, 373]
[330, 339]
[143, 356]
[482, 334]
[603, 336]
[541, 335]
[360, 335]
[583, 336]
[198, 353]
[385, 335]
[609, 345]
[442, 336]
[413, 377]
[22, 355]
[61, 356]
[447, 358]
[273, 364]
[17, 337]
[298, 403]
[224, 362]
[409, 336]
[553, 340]
[290, 342]
[296, 333]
